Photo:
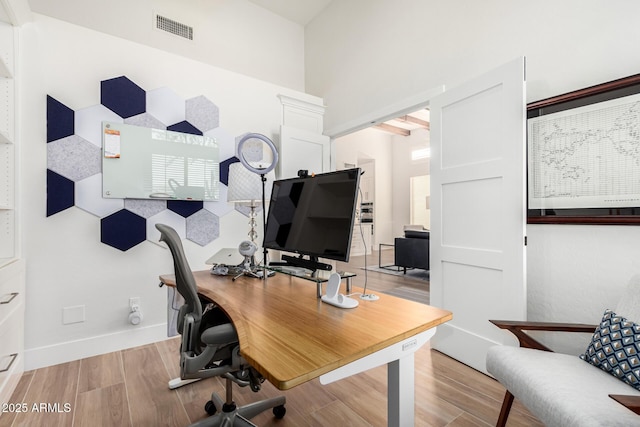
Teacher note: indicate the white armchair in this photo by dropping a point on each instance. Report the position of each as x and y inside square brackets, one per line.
[565, 390]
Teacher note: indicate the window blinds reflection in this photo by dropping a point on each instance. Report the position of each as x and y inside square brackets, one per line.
[184, 177]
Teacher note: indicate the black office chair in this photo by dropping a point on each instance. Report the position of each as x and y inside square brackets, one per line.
[210, 348]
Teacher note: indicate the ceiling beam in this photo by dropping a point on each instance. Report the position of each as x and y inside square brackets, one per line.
[410, 119]
[393, 129]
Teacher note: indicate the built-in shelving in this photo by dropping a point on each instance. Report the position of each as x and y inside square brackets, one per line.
[8, 224]
[12, 271]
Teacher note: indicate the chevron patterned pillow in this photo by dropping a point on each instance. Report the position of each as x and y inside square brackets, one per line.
[615, 348]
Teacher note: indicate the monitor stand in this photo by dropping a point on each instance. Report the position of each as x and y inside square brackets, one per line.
[311, 264]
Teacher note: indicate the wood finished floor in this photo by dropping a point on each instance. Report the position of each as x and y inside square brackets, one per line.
[129, 388]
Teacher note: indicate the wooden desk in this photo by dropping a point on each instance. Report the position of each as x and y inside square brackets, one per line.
[290, 336]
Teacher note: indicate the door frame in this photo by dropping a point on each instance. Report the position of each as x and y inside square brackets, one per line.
[403, 106]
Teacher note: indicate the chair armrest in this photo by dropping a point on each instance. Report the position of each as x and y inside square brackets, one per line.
[517, 328]
[630, 402]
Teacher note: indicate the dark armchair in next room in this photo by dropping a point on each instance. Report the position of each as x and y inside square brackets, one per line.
[412, 250]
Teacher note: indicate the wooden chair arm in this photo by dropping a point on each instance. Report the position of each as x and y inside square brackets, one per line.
[630, 402]
[517, 328]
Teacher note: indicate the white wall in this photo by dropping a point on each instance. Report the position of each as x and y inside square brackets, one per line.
[362, 55]
[67, 265]
[371, 143]
[403, 170]
[235, 35]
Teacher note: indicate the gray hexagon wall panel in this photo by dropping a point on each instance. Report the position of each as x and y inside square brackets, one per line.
[145, 208]
[202, 113]
[73, 157]
[74, 160]
[145, 120]
[203, 227]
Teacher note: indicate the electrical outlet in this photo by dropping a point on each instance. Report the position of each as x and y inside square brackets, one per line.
[134, 301]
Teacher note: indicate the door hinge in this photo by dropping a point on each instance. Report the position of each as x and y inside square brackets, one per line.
[525, 240]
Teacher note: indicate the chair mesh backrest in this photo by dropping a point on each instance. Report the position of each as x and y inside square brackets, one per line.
[629, 305]
[185, 282]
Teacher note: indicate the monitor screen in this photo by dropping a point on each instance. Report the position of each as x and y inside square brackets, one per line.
[314, 215]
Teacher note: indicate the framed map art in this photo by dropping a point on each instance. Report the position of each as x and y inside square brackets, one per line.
[583, 151]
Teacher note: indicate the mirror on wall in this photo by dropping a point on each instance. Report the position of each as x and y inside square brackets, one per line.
[147, 163]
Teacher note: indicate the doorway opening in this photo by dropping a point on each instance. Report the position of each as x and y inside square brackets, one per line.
[395, 156]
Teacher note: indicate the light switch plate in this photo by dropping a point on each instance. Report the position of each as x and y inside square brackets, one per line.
[73, 314]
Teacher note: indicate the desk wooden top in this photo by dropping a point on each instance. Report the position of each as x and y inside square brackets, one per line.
[290, 336]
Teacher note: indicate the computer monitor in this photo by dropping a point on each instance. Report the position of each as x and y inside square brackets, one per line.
[313, 216]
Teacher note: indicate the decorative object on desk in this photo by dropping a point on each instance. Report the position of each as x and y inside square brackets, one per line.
[244, 188]
[333, 296]
[247, 249]
[259, 160]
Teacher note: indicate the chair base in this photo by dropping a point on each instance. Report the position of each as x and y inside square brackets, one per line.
[239, 416]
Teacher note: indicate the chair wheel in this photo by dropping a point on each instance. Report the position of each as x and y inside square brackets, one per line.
[279, 411]
[210, 407]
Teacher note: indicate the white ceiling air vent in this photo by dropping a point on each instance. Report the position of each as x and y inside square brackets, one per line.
[174, 27]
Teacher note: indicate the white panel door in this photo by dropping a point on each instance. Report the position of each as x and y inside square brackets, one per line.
[301, 149]
[478, 210]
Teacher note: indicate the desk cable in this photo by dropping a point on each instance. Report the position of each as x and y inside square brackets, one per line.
[364, 295]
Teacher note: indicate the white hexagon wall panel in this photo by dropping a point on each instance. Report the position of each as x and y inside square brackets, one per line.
[166, 106]
[165, 217]
[221, 207]
[89, 123]
[226, 142]
[89, 197]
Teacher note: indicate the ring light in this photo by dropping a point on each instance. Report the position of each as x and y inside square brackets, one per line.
[247, 164]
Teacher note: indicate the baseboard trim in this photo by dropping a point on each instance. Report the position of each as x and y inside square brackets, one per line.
[55, 354]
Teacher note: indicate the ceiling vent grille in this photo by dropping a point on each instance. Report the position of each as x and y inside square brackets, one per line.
[174, 27]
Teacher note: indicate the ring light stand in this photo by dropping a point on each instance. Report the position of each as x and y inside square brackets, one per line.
[261, 170]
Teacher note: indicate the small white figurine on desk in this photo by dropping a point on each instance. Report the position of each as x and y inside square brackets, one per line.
[333, 297]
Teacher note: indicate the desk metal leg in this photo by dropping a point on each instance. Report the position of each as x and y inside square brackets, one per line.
[399, 359]
[400, 393]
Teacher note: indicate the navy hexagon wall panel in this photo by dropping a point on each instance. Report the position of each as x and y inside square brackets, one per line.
[60, 120]
[60, 193]
[184, 208]
[123, 230]
[74, 162]
[184, 127]
[123, 97]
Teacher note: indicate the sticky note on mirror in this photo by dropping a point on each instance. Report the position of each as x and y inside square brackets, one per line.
[112, 144]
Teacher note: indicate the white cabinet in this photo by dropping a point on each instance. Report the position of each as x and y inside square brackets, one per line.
[11, 327]
[361, 239]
